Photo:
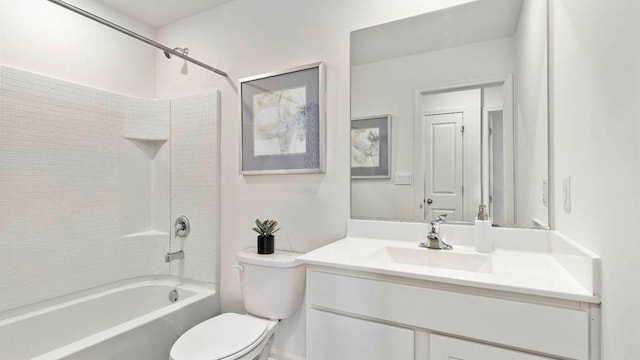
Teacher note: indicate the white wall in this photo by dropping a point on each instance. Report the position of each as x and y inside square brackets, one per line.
[493, 97]
[248, 37]
[387, 87]
[44, 38]
[531, 155]
[596, 124]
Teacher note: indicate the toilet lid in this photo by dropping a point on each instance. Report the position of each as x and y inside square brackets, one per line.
[218, 337]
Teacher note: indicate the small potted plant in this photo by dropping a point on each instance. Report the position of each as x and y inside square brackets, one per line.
[265, 230]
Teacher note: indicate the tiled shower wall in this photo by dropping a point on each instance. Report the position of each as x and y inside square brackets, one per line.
[195, 182]
[61, 188]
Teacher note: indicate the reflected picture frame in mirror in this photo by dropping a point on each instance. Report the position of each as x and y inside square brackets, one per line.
[524, 73]
[371, 147]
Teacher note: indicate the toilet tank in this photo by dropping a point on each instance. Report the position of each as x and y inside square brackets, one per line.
[272, 285]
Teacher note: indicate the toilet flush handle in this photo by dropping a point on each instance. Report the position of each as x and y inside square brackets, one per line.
[239, 267]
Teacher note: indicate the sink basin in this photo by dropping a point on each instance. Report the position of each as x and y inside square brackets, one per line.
[433, 258]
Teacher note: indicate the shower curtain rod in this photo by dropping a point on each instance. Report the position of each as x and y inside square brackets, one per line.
[134, 35]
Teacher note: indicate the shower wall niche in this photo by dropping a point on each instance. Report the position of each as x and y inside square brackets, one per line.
[145, 172]
[86, 186]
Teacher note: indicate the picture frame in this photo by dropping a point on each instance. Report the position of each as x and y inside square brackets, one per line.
[282, 120]
[371, 147]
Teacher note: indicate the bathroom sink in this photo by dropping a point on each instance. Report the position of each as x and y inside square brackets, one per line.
[433, 258]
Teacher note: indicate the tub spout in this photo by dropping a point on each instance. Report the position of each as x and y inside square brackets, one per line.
[176, 255]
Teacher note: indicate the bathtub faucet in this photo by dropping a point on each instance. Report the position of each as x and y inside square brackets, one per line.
[176, 255]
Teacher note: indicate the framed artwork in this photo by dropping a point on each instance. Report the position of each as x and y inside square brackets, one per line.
[283, 122]
[371, 147]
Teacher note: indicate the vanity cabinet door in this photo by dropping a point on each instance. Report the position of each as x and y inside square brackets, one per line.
[446, 348]
[488, 319]
[338, 337]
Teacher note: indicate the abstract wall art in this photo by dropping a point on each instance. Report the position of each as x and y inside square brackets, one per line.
[283, 122]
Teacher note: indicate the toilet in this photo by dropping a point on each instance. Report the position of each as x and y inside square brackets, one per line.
[272, 288]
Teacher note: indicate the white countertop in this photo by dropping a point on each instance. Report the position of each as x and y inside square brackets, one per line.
[525, 272]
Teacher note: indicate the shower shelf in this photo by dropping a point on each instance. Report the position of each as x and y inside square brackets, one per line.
[150, 233]
[149, 146]
[140, 138]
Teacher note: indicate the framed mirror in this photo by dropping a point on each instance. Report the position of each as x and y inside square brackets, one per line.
[464, 93]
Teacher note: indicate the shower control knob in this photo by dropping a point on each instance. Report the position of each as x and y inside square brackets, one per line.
[182, 226]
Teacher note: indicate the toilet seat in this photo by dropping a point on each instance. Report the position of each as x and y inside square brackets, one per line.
[225, 336]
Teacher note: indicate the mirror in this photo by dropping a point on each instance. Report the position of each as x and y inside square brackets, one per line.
[449, 111]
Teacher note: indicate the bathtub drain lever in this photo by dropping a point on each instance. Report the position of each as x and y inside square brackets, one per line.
[176, 255]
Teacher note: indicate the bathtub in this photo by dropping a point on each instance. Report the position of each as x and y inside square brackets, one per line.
[131, 320]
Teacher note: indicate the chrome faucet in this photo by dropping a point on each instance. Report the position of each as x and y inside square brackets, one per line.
[434, 239]
[176, 255]
[182, 226]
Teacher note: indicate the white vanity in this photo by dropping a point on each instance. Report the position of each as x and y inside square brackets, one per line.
[445, 117]
[377, 295]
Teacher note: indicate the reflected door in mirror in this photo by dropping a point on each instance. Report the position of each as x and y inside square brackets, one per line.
[443, 167]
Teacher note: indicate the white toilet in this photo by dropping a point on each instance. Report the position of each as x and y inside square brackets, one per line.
[272, 289]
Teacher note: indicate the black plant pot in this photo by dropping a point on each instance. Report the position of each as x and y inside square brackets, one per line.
[265, 244]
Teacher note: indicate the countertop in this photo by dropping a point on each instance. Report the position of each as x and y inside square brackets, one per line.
[525, 272]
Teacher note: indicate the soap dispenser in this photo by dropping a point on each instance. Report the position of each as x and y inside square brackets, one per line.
[484, 241]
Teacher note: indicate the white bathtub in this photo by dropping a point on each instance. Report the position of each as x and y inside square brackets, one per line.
[131, 321]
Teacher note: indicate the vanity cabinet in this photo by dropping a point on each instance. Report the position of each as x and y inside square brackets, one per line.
[359, 315]
[339, 337]
[448, 348]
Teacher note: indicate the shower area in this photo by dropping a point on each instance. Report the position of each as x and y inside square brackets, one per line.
[91, 183]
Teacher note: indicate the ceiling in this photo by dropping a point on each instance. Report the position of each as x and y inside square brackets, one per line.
[158, 13]
[476, 21]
